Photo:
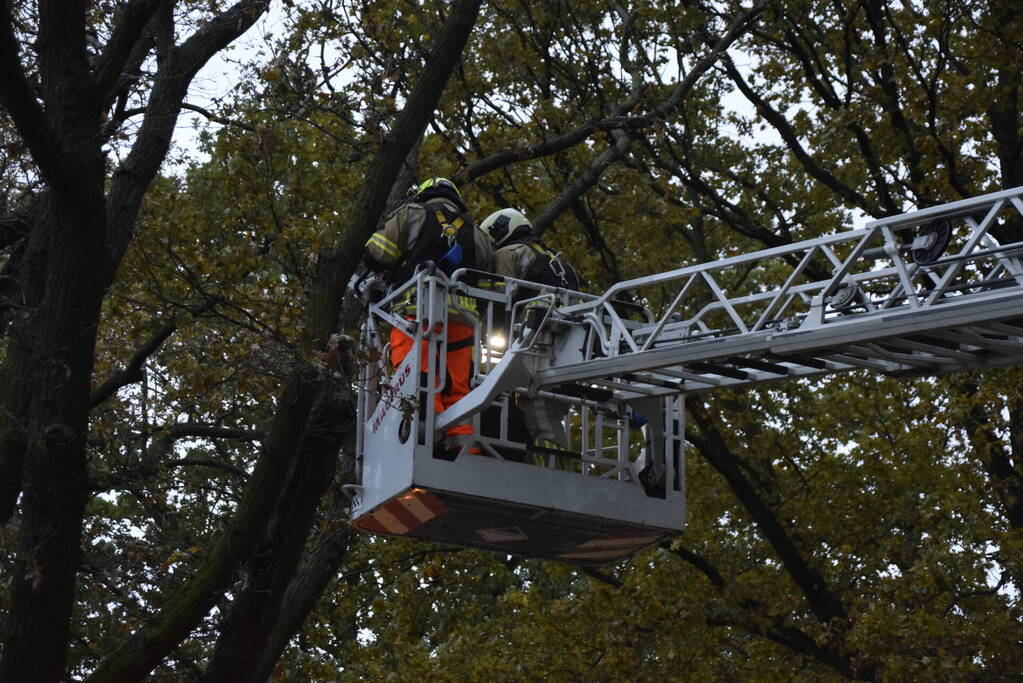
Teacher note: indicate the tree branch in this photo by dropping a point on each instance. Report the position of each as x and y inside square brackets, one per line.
[207, 462]
[15, 226]
[217, 119]
[787, 636]
[578, 187]
[749, 617]
[318, 569]
[184, 430]
[1006, 480]
[623, 140]
[132, 373]
[600, 576]
[61, 46]
[596, 238]
[890, 101]
[152, 461]
[335, 266]
[815, 70]
[176, 71]
[131, 21]
[778, 121]
[21, 104]
[247, 627]
[134, 658]
[711, 444]
[698, 561]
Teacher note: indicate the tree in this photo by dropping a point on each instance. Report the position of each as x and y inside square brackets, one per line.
[856, 527]
[71, 253]
[66, 99]
[780, 572]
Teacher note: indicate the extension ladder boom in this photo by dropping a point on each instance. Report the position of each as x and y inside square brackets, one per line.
[926, 292]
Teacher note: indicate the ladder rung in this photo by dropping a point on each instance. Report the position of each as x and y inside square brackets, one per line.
[933, 341]
[582, 391]
[648, 379]
[985, 339]
[757, 364]
[545, 450]
[716, 369]
[808, 361]
[943, 351]
[868, 363]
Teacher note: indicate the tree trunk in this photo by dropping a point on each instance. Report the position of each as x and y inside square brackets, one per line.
[62, 337]
[319, 568]
[75, 244]
[256, 611]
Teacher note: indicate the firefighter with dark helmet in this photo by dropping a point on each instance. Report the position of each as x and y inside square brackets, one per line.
[435, 226]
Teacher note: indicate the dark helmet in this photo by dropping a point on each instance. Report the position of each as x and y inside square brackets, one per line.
[437, 187]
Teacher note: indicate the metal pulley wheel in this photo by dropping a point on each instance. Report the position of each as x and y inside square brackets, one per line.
[844, 298]
[930, 244]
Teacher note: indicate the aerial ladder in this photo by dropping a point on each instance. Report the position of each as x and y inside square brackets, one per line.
[928, 292]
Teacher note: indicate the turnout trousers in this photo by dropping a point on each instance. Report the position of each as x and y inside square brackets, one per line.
[457, 373]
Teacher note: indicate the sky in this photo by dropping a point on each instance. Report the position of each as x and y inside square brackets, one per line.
[217, 79]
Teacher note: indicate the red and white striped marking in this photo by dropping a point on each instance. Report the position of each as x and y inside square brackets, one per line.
[402, 514]
[610, 547]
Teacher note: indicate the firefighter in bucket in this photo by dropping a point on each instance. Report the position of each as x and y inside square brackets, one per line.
[521, 255]
[434, 226]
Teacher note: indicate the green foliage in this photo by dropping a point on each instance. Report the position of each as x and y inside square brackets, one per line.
[878, 482]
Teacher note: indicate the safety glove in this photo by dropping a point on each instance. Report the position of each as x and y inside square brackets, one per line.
[368, 287]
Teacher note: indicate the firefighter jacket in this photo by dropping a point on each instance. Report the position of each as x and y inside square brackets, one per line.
[526, 259]
[514, 260]
[412, 235]
[529, 259]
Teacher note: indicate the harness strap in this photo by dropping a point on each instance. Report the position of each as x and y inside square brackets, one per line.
[448, 229]
[460, 344]
[540, 250]
[553, 260]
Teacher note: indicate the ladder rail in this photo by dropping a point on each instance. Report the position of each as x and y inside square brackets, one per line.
[899, 282]
[872, 277]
